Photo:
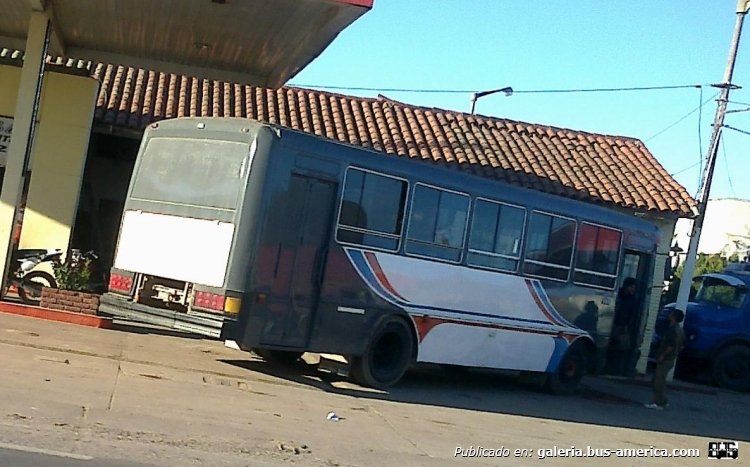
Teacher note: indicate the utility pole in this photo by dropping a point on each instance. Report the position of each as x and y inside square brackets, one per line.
[726, 86]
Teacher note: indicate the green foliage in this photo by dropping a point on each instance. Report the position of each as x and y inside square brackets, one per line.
[73, 274]
[703, 265]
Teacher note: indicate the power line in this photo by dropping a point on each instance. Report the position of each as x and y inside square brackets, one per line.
[520, 91]
[700, 137]
[683, 170]
[726, 164]
[669, 127]
[737, 129]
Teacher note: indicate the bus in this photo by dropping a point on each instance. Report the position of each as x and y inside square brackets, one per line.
[287, 243]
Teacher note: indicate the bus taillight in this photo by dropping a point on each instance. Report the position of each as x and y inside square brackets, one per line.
[120, 283]
[217, 302]
[209, 300]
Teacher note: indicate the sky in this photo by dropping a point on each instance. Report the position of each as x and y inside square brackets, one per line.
[476, 45]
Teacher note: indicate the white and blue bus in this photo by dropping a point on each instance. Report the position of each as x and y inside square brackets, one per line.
[294, 243]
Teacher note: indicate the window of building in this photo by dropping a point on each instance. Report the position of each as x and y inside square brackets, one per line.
[496, 235]
[372, 210]
[437, 223]
[596, 255]
[549, 246]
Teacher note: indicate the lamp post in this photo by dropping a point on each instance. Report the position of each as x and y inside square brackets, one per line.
[687, 275]
[507, 90]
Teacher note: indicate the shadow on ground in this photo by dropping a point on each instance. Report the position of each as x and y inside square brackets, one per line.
[617, 403]
[140, 328]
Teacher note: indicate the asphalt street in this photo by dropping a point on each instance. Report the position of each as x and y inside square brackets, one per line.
[142, 396]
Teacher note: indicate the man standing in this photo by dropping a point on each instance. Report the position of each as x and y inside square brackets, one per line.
[666, 355]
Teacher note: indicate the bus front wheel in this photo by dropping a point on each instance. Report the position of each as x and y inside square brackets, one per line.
[569, 372]
[387, 357]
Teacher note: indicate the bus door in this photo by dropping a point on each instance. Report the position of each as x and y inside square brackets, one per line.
[308, 220]
[635, 264]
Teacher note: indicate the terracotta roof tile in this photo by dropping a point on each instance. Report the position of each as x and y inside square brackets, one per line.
[597, 168]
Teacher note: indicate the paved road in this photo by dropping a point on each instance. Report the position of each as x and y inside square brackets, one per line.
[140, 396]
[26, 456]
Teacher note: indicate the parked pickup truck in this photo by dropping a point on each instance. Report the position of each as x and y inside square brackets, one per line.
[717, 328]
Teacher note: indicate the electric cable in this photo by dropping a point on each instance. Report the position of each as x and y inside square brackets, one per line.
[520, 91]
[700, 137]
[726, 164]
[669, 127]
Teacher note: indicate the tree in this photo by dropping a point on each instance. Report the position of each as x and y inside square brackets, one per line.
[703, 264]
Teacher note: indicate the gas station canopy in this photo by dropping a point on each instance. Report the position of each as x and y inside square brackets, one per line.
[261, 42]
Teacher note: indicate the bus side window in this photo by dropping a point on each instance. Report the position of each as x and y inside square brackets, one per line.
[496, 235]
[549, 246]
[371, 210]
[437, 224]
[596, 256]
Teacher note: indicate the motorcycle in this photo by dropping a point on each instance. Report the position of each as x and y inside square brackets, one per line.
[29, 283]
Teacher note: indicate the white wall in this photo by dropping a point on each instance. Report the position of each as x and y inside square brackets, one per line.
[726, 226]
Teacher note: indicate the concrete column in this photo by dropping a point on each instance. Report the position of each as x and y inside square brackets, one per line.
[23, 124]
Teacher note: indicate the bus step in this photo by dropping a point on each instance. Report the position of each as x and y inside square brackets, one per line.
[334, 364]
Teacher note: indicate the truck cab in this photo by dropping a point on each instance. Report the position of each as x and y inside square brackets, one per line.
[717, 328]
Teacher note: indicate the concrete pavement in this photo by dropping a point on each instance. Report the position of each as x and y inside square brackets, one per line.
[135, 393]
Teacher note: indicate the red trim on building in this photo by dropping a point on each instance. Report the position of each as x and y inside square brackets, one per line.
[55, 315]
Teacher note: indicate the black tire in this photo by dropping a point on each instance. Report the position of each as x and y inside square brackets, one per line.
[283, 357]
[30, 290]
[569, 373]
[731, 368]
[387, 357]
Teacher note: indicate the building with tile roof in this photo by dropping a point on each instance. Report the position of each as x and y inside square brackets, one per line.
[614, 171]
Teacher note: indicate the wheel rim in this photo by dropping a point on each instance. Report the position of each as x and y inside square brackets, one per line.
[570, 369]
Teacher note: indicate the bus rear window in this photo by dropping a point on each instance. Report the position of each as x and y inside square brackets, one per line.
[193, 172]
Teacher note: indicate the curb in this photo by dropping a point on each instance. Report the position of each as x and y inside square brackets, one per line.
[56, 315]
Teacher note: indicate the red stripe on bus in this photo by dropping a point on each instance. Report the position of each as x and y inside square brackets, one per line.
[373, 260]
[540, 303]
[425, 324]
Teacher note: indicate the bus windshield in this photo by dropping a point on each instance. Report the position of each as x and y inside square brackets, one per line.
[193, 172]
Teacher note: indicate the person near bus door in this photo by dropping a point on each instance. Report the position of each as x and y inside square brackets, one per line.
[621, 342]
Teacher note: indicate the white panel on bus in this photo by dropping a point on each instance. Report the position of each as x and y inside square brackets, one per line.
[485, 347]
[186, 249]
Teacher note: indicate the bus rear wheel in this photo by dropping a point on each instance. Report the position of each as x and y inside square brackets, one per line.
[569, 372]
[282, 357]
[387, 357]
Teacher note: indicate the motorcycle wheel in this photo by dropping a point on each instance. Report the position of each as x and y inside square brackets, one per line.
[30, 290]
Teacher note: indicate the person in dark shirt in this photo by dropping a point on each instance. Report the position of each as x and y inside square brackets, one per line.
[620, 343]
[666, 354]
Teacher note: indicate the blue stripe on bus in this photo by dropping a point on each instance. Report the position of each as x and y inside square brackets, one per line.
[561, 345]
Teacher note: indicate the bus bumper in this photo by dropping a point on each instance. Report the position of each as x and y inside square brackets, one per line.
[203, 324]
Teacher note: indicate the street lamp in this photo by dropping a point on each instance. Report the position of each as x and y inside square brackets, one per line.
[507, 90]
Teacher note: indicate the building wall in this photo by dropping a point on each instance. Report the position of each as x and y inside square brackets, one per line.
[666, 227]
[9, 79]
[726, 228]
[59, 154]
